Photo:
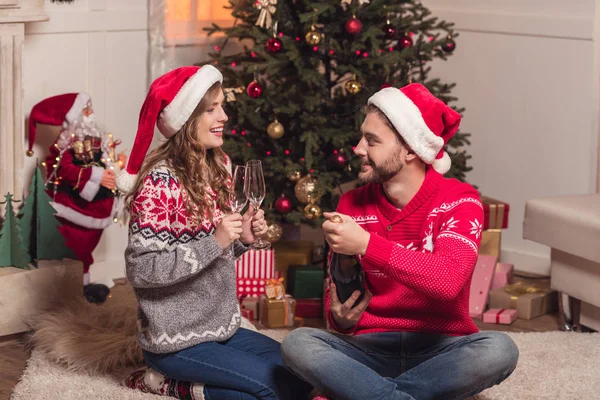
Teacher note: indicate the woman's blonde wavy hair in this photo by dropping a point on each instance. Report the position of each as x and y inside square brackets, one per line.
[196, 167]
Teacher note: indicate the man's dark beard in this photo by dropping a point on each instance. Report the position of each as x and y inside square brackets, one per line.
[382, 173]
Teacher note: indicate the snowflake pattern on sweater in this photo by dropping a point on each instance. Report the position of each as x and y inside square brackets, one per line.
[184, 285]
[420, 259]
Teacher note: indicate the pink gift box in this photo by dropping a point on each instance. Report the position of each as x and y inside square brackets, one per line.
[481, 283]
[504, 316]
[503, 275]
[253, 269]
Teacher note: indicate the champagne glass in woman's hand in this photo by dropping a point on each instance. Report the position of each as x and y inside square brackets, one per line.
[237, 196]
[255, 183]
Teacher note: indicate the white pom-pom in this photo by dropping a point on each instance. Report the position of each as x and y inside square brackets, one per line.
[126, 181]
[442, 165]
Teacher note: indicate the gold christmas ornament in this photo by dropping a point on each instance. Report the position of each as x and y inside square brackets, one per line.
[29, 153]
[312, 211]
[313, 37]
[308, 189]
[294, 176]
[353, 86]
[275, 129]
[274, 232]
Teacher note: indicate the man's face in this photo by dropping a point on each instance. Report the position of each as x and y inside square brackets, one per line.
[379, 150]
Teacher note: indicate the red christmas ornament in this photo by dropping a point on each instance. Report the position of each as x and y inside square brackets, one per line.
[274, 45]
[353, 26]
[405, 42]
[254, 90]
[283, 205]
[449, 46]
[339, 160]
[389, 30]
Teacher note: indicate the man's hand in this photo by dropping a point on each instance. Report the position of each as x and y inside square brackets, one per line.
[253, 225]
[108, 179]
[346, 237]
[345, 315]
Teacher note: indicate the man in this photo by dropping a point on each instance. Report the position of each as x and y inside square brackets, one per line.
[79, 179]
[417, 236]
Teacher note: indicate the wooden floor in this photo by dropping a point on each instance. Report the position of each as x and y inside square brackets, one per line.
[14, 353]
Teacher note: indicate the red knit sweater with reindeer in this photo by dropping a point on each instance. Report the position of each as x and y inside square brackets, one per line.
[420, 259]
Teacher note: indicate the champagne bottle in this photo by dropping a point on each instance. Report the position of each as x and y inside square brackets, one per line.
[346, 272]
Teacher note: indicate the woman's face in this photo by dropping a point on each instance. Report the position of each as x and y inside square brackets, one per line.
[209, 130]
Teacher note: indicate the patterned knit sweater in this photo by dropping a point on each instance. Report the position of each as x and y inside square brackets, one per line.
[420, 259]
[184, 285]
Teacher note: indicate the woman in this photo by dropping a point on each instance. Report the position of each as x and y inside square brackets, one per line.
[181, 225]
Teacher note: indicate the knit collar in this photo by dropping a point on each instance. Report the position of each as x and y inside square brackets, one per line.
[429, 186]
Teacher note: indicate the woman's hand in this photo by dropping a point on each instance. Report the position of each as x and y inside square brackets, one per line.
[228, 230]
[253, 225]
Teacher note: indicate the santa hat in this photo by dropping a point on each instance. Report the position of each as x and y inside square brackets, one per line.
[425, 122]
[57, 110]
[171, 100]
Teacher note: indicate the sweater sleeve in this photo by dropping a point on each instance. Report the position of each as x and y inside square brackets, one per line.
[162, 249]
[443, 270]
[84, 179]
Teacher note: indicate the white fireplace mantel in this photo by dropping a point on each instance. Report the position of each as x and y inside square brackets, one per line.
[13, 16]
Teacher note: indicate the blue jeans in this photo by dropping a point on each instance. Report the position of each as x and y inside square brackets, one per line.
[400, 365]
[246, 366]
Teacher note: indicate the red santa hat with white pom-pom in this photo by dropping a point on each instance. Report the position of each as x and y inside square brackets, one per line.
[425, 122]
[171, 100]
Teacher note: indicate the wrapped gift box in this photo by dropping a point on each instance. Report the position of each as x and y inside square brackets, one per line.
[253, 269]
[309, 308]
[305, 281]
[503, 275]
[495, 213]
[481, 282]
[288, 253]
[249, 307]
[500, 316]
[491, 242]
[531, 300]
[277, 313]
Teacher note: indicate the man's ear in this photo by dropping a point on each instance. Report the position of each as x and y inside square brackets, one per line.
[410, 155]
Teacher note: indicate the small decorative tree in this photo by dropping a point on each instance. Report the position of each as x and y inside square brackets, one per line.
[12, 253]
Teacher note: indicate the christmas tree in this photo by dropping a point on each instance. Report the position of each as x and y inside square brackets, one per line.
[299, 89]
[11, 247]
[41, 235]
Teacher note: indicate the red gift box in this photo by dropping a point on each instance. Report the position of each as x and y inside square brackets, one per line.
[253, 269]
[503, 275]
[309, 308]
[495, 213]
[505, 316]
[248, 314]
[481, 282]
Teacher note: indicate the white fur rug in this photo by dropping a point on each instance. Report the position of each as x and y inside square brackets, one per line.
[552, 365]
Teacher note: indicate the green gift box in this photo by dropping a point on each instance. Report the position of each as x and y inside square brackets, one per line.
[305, 281]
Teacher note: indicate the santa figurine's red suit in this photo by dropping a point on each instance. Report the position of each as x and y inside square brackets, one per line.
[80, 173]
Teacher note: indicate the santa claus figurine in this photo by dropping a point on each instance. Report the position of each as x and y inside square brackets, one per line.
[80, 179]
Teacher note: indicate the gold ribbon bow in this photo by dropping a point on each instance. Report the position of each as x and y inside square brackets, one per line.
[520, 288]
[231, 92]
[275, 289]
[267, 9]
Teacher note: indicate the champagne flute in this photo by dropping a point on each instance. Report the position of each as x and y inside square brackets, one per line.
[255, 182]
[238, 197]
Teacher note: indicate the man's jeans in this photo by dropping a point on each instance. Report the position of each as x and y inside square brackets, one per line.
[400, 365]
[246, 366]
